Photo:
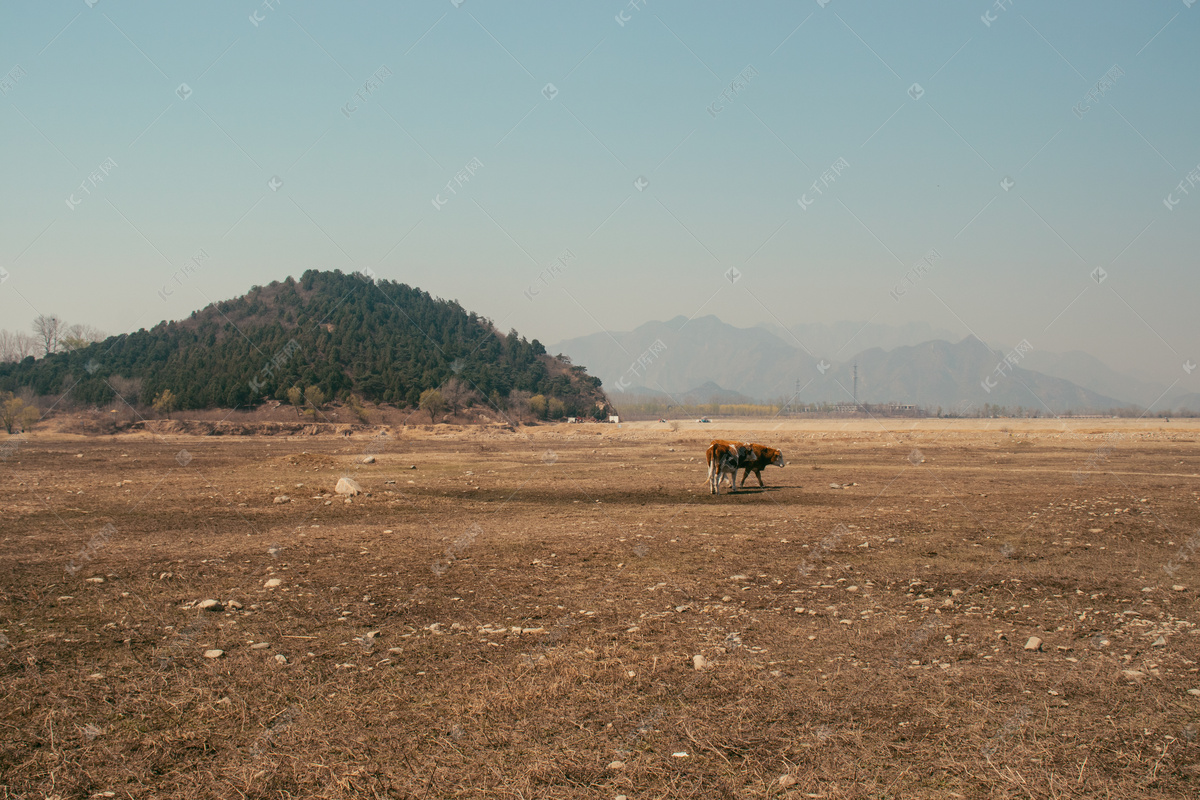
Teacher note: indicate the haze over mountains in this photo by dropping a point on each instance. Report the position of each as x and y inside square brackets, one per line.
[810, 363]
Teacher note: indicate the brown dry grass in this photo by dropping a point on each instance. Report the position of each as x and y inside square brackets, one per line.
[602, 546]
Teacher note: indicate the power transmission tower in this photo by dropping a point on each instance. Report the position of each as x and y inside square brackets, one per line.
[856, 384]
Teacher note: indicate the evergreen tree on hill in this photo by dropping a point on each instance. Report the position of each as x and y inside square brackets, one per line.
[384, 341]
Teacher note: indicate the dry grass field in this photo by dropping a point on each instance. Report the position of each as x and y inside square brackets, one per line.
[519, 614]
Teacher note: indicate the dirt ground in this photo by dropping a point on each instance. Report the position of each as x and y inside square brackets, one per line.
[566, 612]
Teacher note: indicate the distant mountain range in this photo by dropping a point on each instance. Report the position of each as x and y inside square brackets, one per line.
[684, 359]
[843, 339]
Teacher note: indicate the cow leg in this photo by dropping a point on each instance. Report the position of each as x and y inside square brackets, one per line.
[757, 474]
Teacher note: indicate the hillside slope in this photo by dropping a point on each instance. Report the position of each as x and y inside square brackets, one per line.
[384, 341]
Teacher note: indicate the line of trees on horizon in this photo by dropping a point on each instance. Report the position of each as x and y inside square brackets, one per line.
[50, 335]
[643, 407]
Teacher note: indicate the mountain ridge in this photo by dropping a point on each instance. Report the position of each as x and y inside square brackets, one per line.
[758, 363]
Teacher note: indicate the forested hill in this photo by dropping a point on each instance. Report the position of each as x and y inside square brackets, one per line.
[346, 334]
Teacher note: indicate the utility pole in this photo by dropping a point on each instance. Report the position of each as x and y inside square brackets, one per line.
[856, 384]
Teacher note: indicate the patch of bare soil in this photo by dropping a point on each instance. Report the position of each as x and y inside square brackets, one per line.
[564, 611]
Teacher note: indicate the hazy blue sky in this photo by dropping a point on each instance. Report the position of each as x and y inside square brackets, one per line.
[156, 156]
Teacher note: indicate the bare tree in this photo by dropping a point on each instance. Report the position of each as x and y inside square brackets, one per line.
[518, 406]
[16, 345]
[78, 335]
[48, 329]
[7, 347]
[127, 389]
[458, 393]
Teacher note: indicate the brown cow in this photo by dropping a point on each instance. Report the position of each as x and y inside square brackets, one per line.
[762, 458]
[725, 457]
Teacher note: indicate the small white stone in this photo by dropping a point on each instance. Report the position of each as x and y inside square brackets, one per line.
[1160, 642]
[1033, 644]
[260, 646]
[280, 658]
[699, 662]
[785, 781]
[281, 499]
[272, 583]
[1179, 587]
[213, 653]
[210, 605]
[616, 765]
